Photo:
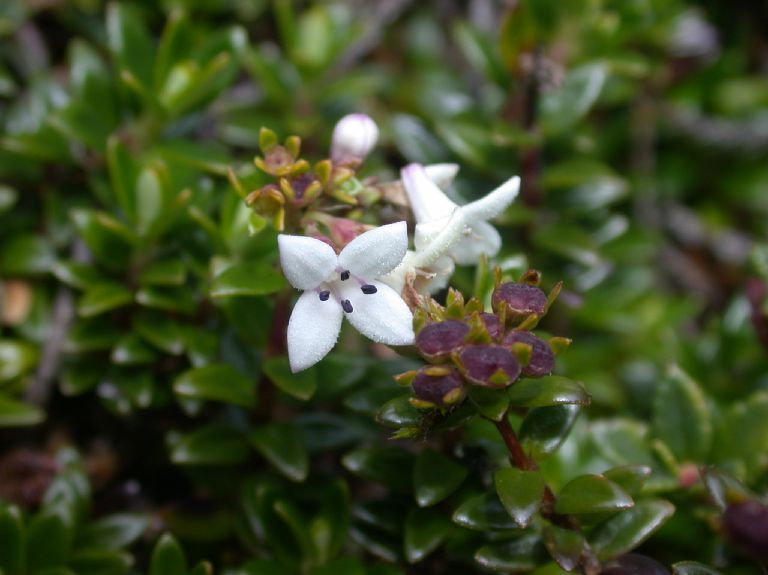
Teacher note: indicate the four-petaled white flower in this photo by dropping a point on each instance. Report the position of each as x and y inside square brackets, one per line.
[446, 232]
[347, 284]
[354, 136]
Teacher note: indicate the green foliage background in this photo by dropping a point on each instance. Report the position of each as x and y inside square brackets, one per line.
[139, 292]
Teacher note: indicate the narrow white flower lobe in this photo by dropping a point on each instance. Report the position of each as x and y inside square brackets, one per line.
[312, 330]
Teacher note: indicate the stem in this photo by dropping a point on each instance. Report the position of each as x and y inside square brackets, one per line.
[516, 454]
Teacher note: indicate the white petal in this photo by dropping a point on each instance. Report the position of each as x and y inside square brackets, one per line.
[436, 245]
[442, 174]
[480, 238]
[494, 203]
[306, 262]
[312, 330]
[382, 316]
[376, 252]
[354, 136]
[437, 276]
[427, 201]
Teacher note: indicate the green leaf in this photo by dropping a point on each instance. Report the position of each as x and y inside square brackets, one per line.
[165, 272]
[562, 108]
[113, 532]
[103, 297]
[76, 274]
[11, 540]
[15, 413]
[743, 433]
[630, 478]
[591, 494]
[625, 531]
[435, 477]
[425, 530]
[217, 382]
[564, 545]
[300, 385]
[520, 493]
[330, 525]
[101, 562]
[281, 444]
[213, 444]
[107, 238]
[167, 557]
[130, 41]
[122, 175]
[26, 254]
[545, 428]
[8, 196]
[622, 441]
[16, 359]
[399, 412]
[547, 391]
[483, 512]
[161, 331]
[516, 555]
[390, 466]
[131, 350]
[247, 279]
[491, 403]
[49, 538]
[681, 417]
[692, 568]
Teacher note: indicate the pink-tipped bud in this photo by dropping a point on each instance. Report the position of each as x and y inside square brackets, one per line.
[489, 365]
[542, 359]
[354, 137]
[438, 340]
[520, 299]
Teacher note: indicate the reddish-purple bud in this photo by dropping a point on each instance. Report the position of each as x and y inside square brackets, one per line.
[489, 365]
[441, 386]
[438, 340]
[634, 564]
[521, 300]
[746, 526]
[542, 359]
[492, 324]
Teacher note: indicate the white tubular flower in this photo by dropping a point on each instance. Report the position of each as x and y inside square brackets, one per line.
[347, 284]
[432, 209]
[446, 232]
[354, 137]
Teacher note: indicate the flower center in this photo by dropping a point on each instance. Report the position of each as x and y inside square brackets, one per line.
[324, 291]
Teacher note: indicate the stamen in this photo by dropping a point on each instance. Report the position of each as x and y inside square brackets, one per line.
[324, 295]
[368, 289]
[346, 305]
[345, 275]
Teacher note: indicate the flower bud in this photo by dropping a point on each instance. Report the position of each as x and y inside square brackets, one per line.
[354, 137]
[489, 365]
[542, 359]
[438, 340]
[634, 564]
[746, 526]
[492, 324]
[521, 300]
[441, 387]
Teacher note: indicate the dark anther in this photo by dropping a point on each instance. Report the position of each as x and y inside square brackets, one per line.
[368, 289]
[324, 295]
[346, 305]
[345, 275]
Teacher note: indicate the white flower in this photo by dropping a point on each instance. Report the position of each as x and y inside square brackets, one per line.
[354, 137]
[446, 232]
[347, 284]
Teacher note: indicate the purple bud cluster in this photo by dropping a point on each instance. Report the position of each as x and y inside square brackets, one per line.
[490, 350]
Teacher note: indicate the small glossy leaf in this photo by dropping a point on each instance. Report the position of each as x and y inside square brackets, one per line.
[564, 545]
[425, 530]
[16, 359]
[26, 255]
[435, 477]
[591, 494]
[49, 537]
[76, 274]
[483, 512]
[547, 391]
[100, 562]
[625, 531]
[179, 300]
[161, 331]
[630, 478]
[131, 350]
[16, 413]
[168, 557]
[692, 568]
[390, 466]
[247, 279]
[169, 272]
[281, 444]
[491, 403]
[520, 492]
[330, 525]
[103, 297]
[562, 108]
[113, 532]
[545, 428]
[211, 445]
[300, 385]
[515, 555]
[217, 382]
[399, 412]
[130, 42]
[681, 417]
